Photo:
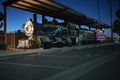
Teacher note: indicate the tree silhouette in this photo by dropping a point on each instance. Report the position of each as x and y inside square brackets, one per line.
[118, 13]
[1, 18]
[116, 24]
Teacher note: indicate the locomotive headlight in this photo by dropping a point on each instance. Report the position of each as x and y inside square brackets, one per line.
[28, 28]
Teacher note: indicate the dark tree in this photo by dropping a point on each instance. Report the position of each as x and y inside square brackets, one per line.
[1, 18]
[116, 27]
[116, 24]
[118, 13]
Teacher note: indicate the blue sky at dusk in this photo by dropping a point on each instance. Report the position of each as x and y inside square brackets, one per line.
[16, 17]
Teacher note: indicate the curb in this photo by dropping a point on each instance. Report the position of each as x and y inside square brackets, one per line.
[62, 49]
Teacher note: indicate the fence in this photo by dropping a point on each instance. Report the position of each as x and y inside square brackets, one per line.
[12, 39]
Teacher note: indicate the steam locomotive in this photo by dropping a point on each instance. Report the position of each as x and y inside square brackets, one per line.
[63, 36]
[50, 35]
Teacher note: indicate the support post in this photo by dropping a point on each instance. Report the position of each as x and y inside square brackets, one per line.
[43, 19]
[5, 23]
[79, 26]
[89, 28]
[35, 18]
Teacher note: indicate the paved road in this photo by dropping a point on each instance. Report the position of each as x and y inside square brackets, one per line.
[60, 64]
[108, 71]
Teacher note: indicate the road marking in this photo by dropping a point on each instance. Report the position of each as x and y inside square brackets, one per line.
[75, 72]
[3, 58]
[89, 55]
[62, 56]
[96, 55]
[31, 65]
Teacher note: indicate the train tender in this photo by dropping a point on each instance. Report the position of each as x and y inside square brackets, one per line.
[95, 36]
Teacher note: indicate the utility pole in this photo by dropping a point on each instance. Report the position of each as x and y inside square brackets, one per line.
[119, 3]
[98, 7]
[110, 6]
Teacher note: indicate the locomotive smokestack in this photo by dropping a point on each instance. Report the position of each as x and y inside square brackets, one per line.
[34, 17]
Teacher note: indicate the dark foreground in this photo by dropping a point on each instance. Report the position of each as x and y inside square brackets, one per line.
[108, 71]
[97, 63]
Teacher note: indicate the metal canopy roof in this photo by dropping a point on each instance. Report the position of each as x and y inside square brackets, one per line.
[57, 10]
[94, 23]
[48, 8]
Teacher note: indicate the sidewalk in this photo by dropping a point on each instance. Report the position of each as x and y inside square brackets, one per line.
[4, 53]
[18, 52]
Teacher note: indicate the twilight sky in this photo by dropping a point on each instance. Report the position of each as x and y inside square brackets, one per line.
[16, 17]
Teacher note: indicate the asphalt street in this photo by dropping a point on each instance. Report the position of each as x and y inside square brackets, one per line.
[77, 64]
[108, 71]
